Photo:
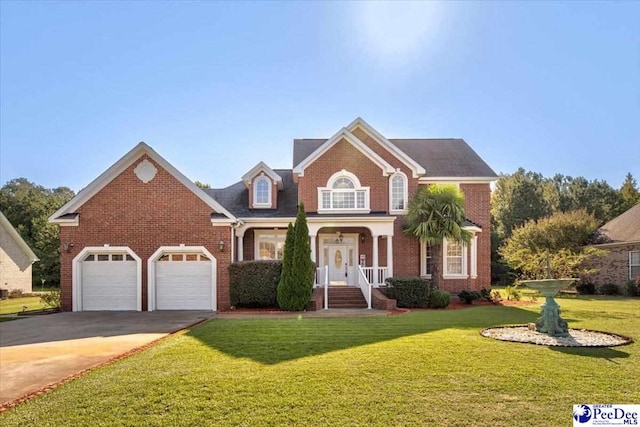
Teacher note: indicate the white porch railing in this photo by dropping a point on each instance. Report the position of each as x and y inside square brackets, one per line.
[369, 274]
[365, 286]
[322, 279]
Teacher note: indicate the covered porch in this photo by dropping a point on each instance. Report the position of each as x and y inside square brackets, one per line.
[346, 250]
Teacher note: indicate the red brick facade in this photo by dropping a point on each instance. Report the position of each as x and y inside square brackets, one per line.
[165, 212]
[144, 217]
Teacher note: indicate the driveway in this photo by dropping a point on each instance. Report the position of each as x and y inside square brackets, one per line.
[42, 350]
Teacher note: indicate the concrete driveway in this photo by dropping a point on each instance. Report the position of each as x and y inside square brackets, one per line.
[41, 350]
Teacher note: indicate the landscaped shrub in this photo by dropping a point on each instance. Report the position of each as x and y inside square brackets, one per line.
[409, 292]
[513, 294]
[632, 287]
[586, 288]
[16, 293]
[254, 283]
[51, 299]
[608, 289]
[468, 297]
[440, 299]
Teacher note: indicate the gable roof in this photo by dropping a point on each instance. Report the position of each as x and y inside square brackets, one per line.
[623, 228]
[13, 233]
[445, 158]
[62, 215]
[416, 167]
[235, 198]
[345, 134]
[262, 167]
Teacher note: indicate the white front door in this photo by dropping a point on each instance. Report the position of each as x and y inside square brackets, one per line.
[338, 265]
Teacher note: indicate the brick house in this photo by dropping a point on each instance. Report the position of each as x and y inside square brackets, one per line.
[620, 238]
[144, 237]
[16, 259]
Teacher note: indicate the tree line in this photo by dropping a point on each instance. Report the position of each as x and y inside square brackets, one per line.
[28, 206]
[530, 211]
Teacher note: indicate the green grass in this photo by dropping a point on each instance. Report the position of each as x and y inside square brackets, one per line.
[423, 368]
[16, 305]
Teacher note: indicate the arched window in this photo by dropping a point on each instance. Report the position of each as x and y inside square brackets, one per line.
[343, 193]
[398, 192]
[262, 191]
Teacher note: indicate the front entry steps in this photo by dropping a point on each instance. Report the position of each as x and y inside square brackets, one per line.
[346, 297]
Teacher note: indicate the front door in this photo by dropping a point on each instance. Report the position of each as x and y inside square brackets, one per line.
[338, 265]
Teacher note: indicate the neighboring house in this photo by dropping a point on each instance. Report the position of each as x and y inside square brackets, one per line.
[621, 240]
[16, 258]
[144, 237]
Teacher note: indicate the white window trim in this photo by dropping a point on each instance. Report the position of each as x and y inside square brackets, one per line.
[256, 239]
[474, 256]
[262, 178]
[423, 261]
[76, 272]
[464, 274]
[357, 187]
[632, 265]
[405, 194]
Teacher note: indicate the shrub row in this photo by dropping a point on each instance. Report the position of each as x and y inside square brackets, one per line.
[410, 292]
[254, 283]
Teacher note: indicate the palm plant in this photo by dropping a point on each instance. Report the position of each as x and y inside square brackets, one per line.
[435, 213]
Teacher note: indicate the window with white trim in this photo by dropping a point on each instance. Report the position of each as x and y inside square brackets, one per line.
[455, 260]
[634, 264]
[269, 244]
[262, 192]
[398, 192]
[343, 193]
[426, 262]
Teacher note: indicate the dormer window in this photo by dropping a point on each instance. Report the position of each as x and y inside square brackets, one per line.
[262, 192]
[343, 193]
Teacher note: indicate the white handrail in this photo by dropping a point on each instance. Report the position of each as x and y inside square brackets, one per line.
[365, 286]
[326, 287]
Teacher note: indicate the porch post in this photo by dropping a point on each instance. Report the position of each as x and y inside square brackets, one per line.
[390, 256]
[312, 243]
[375, 259]
[240, 249]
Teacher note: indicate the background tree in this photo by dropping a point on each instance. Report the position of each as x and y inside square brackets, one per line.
[28, 206]
[517, 198]
[202, 185]
[629, 193]
[562, 235]
[435, 213]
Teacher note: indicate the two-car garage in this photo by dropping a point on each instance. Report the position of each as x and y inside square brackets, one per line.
[178, 278]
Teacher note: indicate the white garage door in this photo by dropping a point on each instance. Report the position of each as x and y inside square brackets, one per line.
[109, 282]
[183, 282]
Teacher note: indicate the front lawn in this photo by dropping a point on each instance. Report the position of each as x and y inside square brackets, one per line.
[422, 368]
[17, 305]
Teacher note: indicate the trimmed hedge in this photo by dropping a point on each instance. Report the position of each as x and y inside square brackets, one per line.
[409, 292]
[254, 283]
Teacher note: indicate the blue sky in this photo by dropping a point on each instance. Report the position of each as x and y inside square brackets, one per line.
[553, 87]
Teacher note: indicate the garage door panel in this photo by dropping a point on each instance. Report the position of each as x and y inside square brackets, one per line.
[183, 285]
[109, 285]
